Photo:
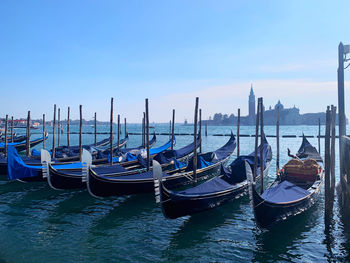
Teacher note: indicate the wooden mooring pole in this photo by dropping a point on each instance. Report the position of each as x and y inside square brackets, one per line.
[6, 127]
[58, 127]
[147, 135]
[256, 142]
[144, 130]
[68, 124]
[334, 114]
[28, 135]
[195, 142]
[327, 160]
[261, 145]
[172, 130]
[80, 132]
[125, 131]
[169, 129]
[118, 137]
[53, 131]
[200, 130]
[238, 126]
[206, 129]
[278, 140]
[319, 135]
[44, 132]
[12, 129]
[111, 134]
[95, 128]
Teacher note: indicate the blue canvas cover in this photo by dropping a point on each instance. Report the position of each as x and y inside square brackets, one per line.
[284, 192]
[109, 169]
[167, 156]
[17, 169]
[161, 148]
[227, 149]
[212, 186]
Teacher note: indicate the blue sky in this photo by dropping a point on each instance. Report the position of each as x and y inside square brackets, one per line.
[84, 52]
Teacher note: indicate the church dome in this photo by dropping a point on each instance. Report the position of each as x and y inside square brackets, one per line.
[279, 105]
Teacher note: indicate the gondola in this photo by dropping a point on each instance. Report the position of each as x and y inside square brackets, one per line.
[62, 179]
[21, 146]
[16, 138]
[295, 189]
[18, 170]
[104, 182]
[231, 184]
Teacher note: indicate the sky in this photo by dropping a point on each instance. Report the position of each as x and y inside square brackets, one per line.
[85, 52]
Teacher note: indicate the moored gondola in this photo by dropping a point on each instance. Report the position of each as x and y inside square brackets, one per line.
[295, 189]
[231, 184]
[101, 183]
[67, 179]
[21, 146]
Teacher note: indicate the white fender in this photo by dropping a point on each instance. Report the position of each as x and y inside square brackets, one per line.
[86, 161]
[157, 177]
[45, 160]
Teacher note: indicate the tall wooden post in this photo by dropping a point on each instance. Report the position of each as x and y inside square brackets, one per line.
[278, 140]
[319, 135]
[169, 129]
[118, 137]
[206, 129]
[327, 162]
[144, 130]
[58, 127]
[200, 130]
[6, 127]
[195, 142]
[341, 105]
[262, 145]
[44, 131]
[172, 130]
[125, 130]
[238, 124]
[111, 134]
[68, 126]
[334, 114]
[256, 142]
[28, 135]
[147, 134]
[12, 129]
[80, 132]
[53, 131]
[95, 130]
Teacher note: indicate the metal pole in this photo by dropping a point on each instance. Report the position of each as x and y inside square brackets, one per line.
[195, 142]
[172, 130]
[53, 131]
[80, 132]
[111, 134]
[147, 135]
[238, 124]
[68, 124]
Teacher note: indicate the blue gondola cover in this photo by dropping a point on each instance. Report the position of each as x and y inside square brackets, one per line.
[284, 192]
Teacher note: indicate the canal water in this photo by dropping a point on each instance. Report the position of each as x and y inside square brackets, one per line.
[38, 224]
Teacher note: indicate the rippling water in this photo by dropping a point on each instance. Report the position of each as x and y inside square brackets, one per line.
[38, 224]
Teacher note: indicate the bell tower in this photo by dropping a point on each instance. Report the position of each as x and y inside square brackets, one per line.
[251, 104]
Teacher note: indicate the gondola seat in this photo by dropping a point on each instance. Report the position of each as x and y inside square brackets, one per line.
[299, 171]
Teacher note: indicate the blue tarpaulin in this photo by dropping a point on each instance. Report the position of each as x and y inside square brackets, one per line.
[284, 192]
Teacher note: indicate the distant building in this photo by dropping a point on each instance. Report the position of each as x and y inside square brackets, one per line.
[288, 116]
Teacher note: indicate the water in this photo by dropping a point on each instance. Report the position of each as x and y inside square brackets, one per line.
[38, 224]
